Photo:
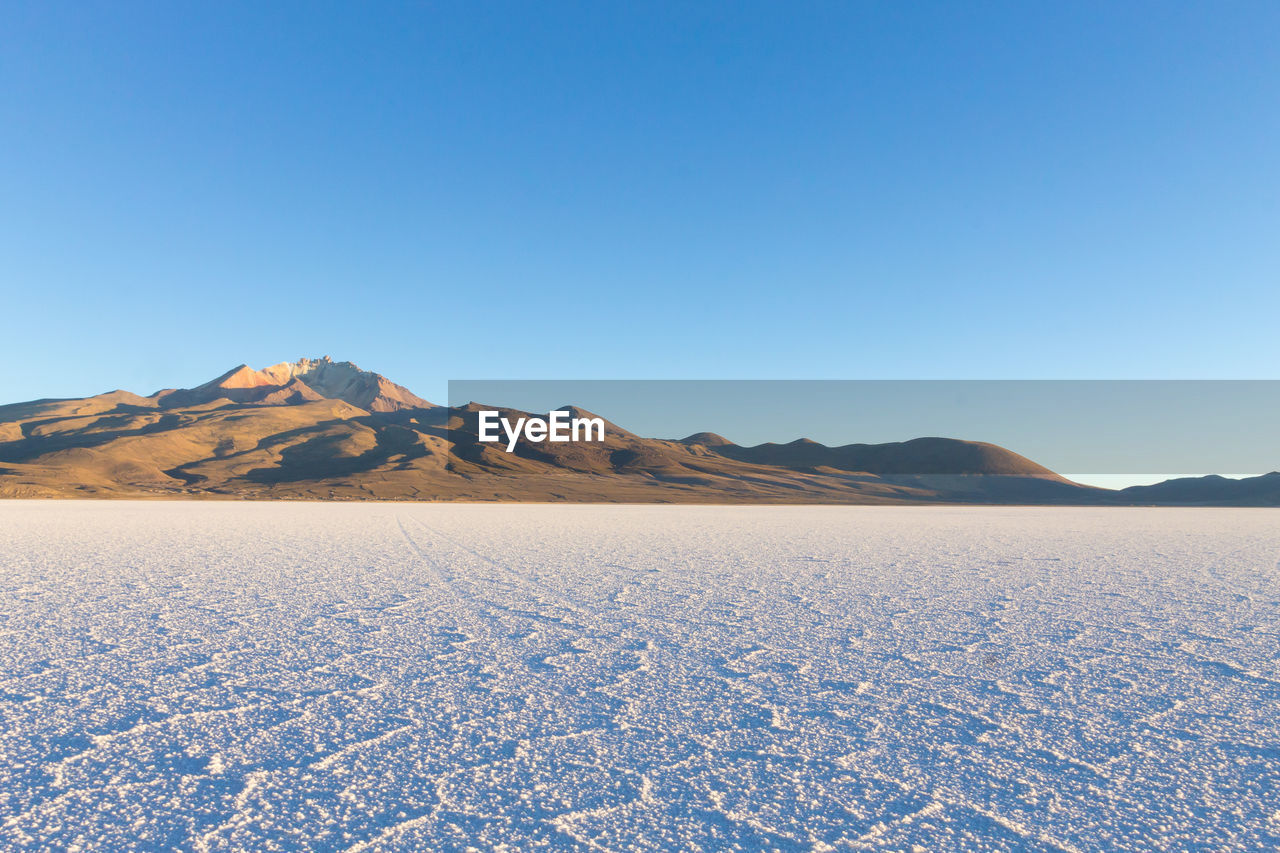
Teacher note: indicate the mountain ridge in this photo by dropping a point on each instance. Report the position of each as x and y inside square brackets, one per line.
[320, 429]
[290, 382]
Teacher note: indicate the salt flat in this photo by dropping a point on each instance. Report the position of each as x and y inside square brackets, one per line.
[230, 676]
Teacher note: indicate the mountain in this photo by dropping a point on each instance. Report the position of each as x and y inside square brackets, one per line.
[706, 439]
[917, 456]
[1211, 490]
[319, 429]
[300, 381]
[288, 430]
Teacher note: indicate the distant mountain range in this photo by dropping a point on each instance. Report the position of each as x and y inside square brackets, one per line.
[320, 429]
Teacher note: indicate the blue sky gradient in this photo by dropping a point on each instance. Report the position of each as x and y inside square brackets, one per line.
[719, 190]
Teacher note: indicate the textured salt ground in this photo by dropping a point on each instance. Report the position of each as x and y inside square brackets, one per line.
[410, 677]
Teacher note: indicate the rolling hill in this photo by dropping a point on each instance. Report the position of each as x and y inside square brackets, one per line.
[319, 429]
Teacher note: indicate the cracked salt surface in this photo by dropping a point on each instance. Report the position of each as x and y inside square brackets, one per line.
[232, 676]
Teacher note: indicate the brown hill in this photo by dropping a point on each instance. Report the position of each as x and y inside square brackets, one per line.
[706, 439]
[1212, 490]
[320, 429]
[917, 456]
[312, 427]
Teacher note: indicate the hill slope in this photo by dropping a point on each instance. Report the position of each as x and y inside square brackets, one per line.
[321, 429]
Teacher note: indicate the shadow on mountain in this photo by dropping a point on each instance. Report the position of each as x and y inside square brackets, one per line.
[1212, 490]
[103, 431]
[330, 455]
[318, 429]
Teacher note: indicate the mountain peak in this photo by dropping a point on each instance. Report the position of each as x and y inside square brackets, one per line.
[343, 380]
[706, 439]
[284, 371]
[242, 376]
[301, 381]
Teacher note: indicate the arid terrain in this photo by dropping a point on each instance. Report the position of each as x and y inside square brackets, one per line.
[319, 429]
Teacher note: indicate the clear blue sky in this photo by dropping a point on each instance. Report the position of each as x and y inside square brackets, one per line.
[719, 190]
